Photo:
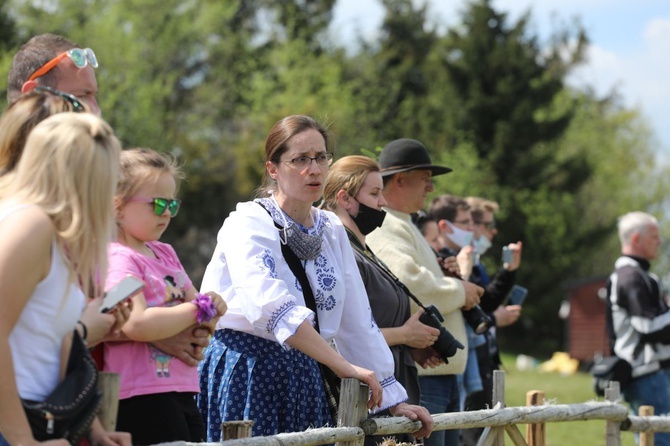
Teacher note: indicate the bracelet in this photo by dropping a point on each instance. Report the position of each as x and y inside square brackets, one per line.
[206, 308]
[84, 330]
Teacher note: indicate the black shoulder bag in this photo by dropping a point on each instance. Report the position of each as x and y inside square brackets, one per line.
[69, 410]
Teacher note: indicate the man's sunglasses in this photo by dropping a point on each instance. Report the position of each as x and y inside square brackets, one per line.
[161, 204]
[77, 105]
[80, 58]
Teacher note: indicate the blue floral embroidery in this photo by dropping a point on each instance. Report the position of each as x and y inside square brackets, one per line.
[268, 262]
[321, 262]
[324, 302]
[326, 280]
[297, 285]
[277, 315]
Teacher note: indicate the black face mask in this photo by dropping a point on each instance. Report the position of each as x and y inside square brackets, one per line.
[368, 219]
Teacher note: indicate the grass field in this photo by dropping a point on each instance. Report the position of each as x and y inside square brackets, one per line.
[558, 389]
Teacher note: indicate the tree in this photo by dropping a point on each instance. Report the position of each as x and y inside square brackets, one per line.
[507, 87]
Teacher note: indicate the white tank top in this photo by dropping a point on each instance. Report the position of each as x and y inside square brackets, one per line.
[51, 313]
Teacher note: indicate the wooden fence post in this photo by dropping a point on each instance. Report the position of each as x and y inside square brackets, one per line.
[495, 436]
[646, 437]
[353, 407]
[232, 430]
[108, 383]
[613, 428]
[535, 433]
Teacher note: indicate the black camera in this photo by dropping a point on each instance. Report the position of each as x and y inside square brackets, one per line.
[477, 319]
[446, 344]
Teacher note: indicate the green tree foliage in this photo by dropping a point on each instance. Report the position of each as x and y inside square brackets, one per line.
[206, 80]
[507, 88]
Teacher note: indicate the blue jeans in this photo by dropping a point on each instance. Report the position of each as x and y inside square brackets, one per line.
[651, 390]
[3, 442]
[439, 394]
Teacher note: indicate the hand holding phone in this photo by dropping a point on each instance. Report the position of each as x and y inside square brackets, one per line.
[121, 292]
[507, 255]
[517, 295]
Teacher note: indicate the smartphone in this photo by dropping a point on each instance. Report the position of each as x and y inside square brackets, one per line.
[517, 295]
[507, 255]
[121, 292]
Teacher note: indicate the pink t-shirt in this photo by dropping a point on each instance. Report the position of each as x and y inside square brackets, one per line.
[143, 368]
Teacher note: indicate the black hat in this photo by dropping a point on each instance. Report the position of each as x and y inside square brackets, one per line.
[406, 154]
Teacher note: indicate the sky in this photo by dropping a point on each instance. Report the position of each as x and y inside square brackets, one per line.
[629, 44]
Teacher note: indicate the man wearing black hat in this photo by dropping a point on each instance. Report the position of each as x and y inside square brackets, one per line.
[407, 170]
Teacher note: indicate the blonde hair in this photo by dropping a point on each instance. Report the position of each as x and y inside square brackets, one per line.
[347, 174]
[480, 205]
[17, 122]
[141, 166]
[70, 168]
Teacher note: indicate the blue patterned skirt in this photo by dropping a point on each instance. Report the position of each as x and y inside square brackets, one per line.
[245, 377]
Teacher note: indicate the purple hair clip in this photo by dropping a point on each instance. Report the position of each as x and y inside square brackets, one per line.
[206, 308]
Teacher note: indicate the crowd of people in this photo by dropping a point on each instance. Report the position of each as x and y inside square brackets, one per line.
[294, 298]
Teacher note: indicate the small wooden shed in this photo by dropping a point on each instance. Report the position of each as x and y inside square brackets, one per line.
[586, 332]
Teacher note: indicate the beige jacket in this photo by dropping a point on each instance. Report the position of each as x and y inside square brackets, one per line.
[400, 245]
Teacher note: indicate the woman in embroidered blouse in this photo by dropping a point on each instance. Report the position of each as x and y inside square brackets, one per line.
[261, 364]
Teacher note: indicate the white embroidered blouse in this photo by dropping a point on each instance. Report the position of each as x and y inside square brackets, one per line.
[265, 299]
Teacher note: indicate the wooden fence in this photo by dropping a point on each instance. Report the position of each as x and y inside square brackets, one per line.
[353, 423]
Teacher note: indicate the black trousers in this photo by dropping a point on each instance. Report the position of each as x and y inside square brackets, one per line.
[161, 418]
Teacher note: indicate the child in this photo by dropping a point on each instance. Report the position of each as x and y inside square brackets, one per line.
[157, 390]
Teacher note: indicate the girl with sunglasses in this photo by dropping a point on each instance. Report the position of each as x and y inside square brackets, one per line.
[156, 397]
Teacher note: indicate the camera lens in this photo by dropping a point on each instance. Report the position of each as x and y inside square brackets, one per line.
[477, 319]
[446, 345]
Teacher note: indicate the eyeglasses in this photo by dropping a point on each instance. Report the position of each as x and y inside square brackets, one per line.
[77, 106]
[487, 224]
[322, 160]
[463, 222]
[80, 58]
[161, 204]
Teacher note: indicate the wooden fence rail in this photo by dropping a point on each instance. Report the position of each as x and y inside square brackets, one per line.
[353, 423]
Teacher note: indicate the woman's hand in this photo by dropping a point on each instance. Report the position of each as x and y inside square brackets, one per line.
[418, 334]
[426, 357]
[103, 326]
[415, 413]
[368, 377]
[100, 437]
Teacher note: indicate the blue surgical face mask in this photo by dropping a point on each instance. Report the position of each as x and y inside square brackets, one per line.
[482, 244]
[460, 237]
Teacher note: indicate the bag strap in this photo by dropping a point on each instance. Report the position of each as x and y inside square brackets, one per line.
[381, 266]
[298, 271]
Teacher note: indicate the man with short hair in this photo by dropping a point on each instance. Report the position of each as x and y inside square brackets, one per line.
[638, 320]
[54, 61]
[57, 62]
[407, 171]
